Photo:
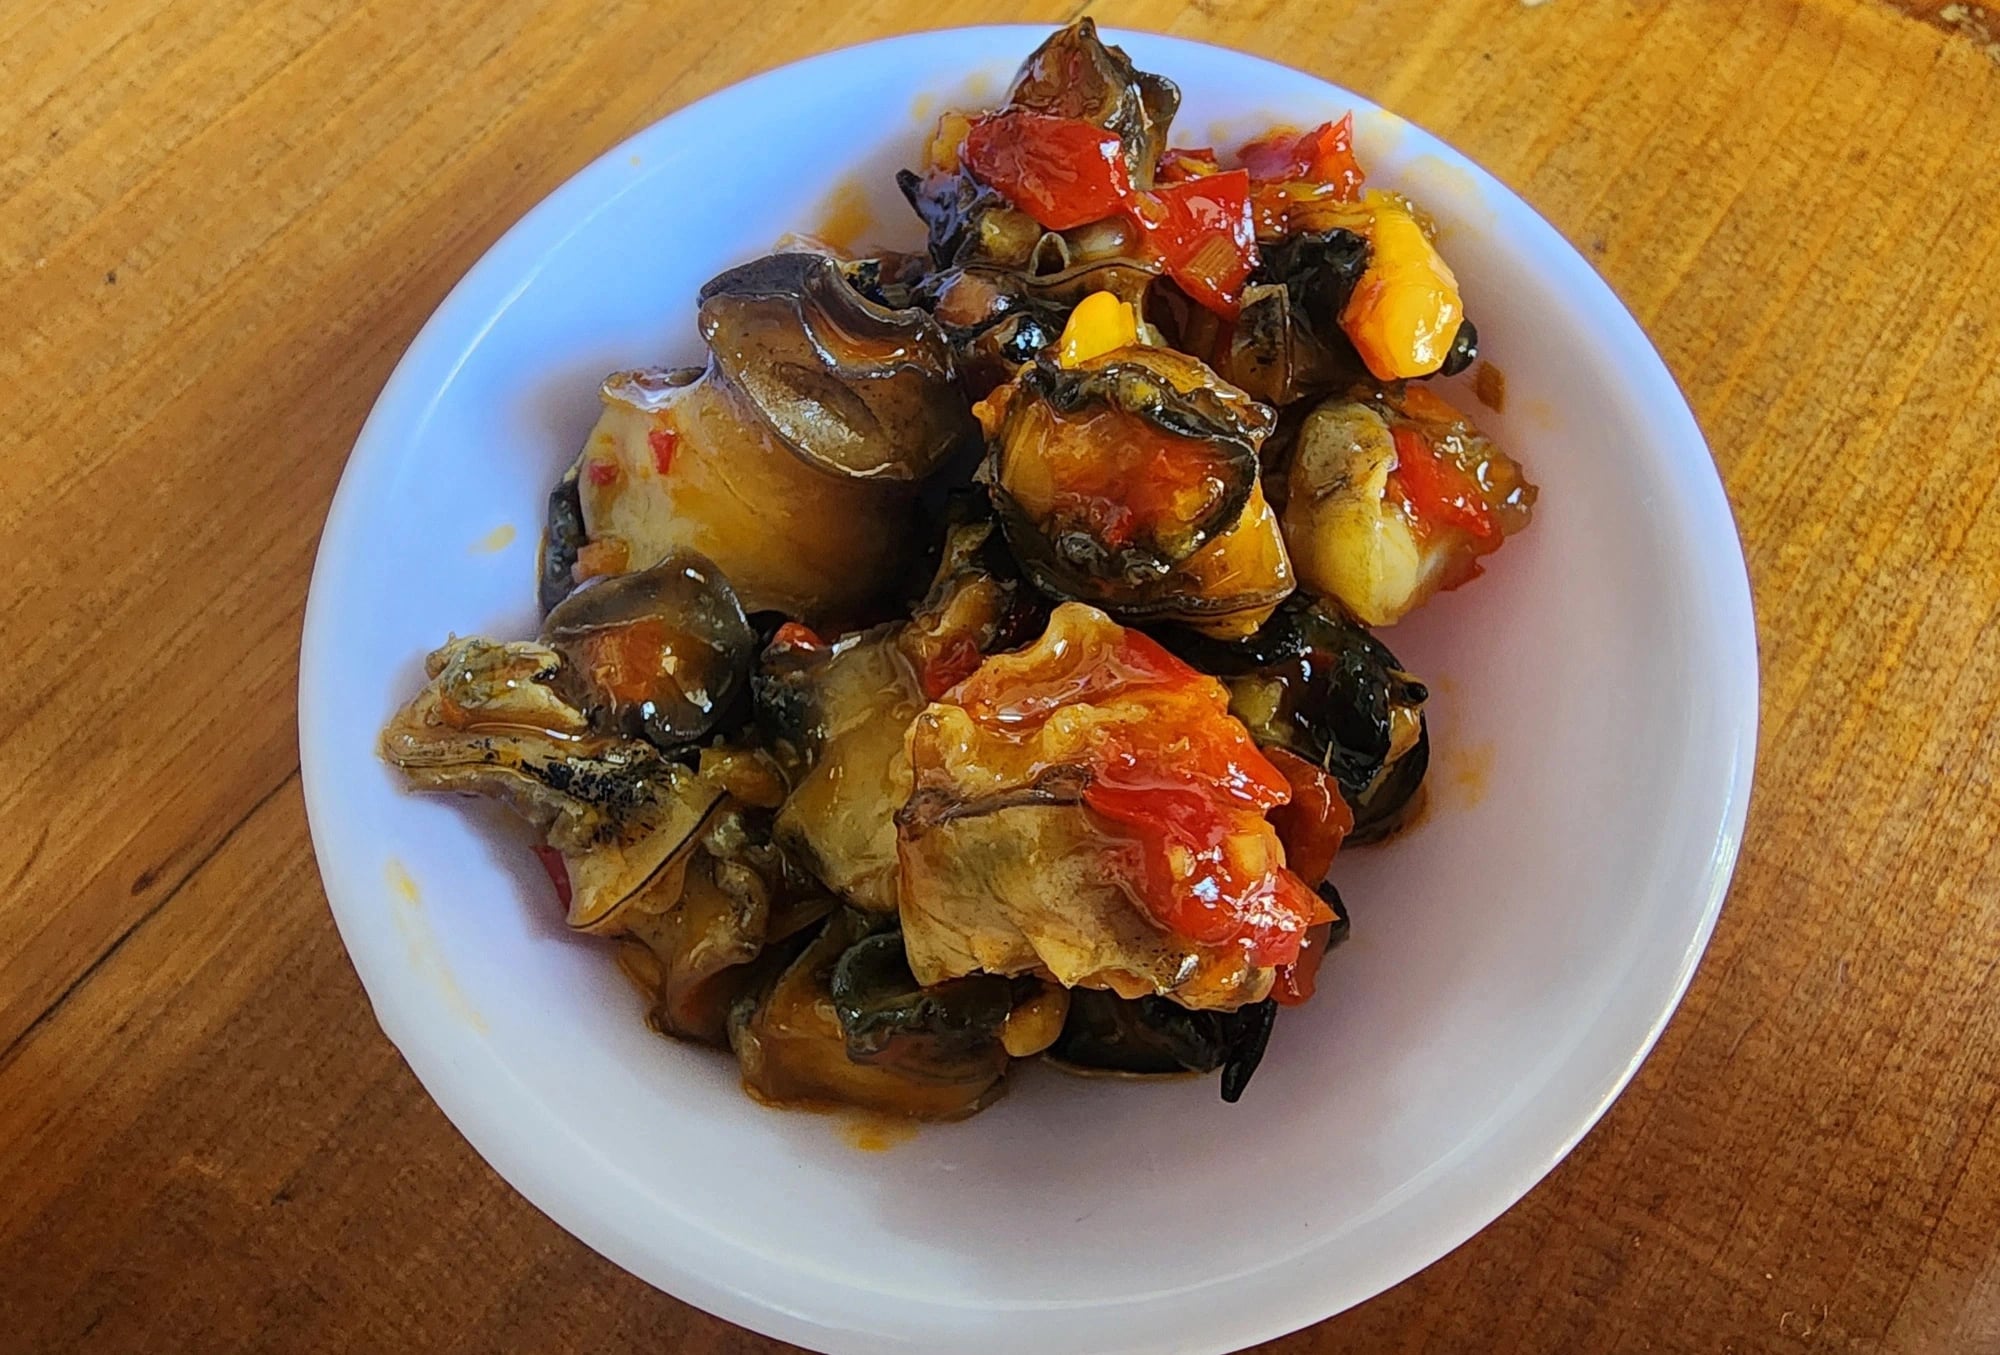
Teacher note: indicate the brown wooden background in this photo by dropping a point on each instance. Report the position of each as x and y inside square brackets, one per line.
[221, 223]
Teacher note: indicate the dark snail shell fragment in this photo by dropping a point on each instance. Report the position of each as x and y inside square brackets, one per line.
[1464, 350]
[1153, 1037]
[853, 388]
[967, 222]
[563, 537]
[999, 318]
[1317, 684]
[663, 654]
[948, 1032]
[1287, 344]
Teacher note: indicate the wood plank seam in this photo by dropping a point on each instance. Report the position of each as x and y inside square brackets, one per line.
[20, 1041]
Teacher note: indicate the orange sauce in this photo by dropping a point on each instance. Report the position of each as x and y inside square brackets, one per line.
[867, 1132]
[1117, 474]
[1472, 773]
[844, 216]
[1489, 386]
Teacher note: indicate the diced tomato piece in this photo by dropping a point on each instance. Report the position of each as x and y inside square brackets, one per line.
[796, 635]
[1441, 496]
[1202, 231]
[1193, 882]
[1063, 172]
[663, 441]
[558, 871]
[1323, 155]
[601, 473]
[954, 662]
[1299, 980]
[1314, 822]
[1272, 157]
[631, 662]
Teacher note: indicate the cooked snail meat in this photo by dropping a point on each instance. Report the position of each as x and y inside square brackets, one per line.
[855, 702]
[1287, 343]
[791, 1045]
[490, 722]
[818, 415]
[1085, 807]
[1130, 482]
[977, 605]
[1392, 499]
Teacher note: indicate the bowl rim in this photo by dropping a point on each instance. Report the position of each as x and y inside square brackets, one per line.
[471, 1082]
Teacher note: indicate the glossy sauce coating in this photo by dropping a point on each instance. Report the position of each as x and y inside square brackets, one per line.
[1177, 786]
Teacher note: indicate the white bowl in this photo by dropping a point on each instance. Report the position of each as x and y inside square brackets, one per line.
[1513, 957]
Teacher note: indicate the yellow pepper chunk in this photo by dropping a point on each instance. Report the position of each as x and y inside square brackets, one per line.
[1406, 309]
[1100, 324]
[947, 141]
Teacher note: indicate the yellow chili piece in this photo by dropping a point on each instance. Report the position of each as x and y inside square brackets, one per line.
[947, 142]
[1406, 309]
[1100, 324]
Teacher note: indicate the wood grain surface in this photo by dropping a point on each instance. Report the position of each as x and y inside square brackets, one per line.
[221, 223]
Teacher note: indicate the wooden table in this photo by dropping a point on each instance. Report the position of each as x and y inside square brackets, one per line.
[222, 224]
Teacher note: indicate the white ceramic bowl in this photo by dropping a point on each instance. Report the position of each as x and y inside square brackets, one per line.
[1513, 958]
